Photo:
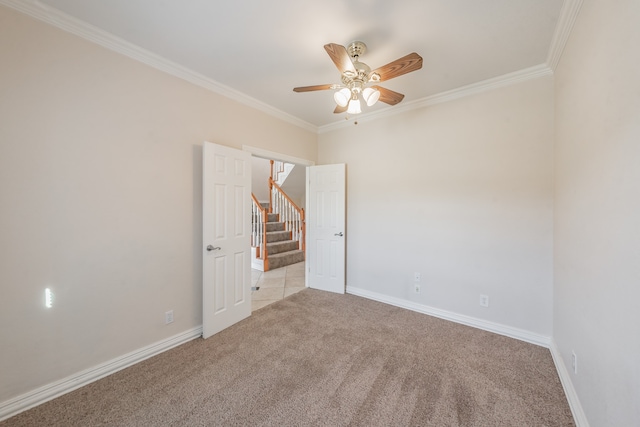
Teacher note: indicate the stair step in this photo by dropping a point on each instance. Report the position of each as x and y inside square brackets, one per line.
[278, 236]
[275, 226]
[285, 258]
[284, 246]
[272, 217]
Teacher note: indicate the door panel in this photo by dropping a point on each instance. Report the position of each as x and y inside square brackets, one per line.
[226, 287]
[326, 227]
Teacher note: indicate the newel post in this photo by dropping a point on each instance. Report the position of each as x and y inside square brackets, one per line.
[271, 188]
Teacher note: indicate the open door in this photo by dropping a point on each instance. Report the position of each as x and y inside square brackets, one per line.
[326, 227]
[226, 285]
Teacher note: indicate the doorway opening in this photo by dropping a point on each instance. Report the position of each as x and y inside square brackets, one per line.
[286, 271]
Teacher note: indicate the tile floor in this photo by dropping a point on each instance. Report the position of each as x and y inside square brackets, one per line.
[276, 284]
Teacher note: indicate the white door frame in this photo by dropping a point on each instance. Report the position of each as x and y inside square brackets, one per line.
[266, 154]
[261, 152]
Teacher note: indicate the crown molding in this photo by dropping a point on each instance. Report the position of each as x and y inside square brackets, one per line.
[65, 22]
[568, 14]
[34, 8]
[535, 72]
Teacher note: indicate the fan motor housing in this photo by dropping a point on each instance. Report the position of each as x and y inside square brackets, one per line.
[356, 81]
[356, 49]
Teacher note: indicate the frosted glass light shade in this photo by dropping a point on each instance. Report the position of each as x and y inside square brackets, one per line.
[370, 95]
[354, 107]
[342, 97]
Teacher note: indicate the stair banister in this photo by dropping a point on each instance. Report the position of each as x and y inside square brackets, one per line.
[290, 213]
[271, 188]
[277, 167]
[259, 230]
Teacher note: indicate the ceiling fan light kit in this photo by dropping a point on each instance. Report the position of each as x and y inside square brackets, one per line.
[342, 97]
[371, 95]
[358, 81]
[354, 106]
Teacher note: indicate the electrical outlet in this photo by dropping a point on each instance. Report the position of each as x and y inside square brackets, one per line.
[416, 288]
[417, 277]
[168, 317]
[484, 300]
[574, 362]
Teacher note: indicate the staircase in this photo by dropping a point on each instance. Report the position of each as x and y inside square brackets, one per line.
[277, 239]
[282, 250]
[277, 229]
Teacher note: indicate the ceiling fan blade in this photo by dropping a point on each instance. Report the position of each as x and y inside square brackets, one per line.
[340, 57]
[312, 88]
[388, 96]
[404, 65]
[339, 109]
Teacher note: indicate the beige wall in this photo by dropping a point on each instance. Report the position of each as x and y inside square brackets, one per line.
[100, 185]
[460, 192]
[597, 210]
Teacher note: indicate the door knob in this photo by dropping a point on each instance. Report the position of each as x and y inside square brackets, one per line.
[339, 234]
[213, 248]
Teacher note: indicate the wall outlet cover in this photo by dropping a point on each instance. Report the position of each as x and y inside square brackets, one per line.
[484, 300]
[168, 317]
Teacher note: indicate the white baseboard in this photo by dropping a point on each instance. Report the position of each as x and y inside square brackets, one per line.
[519, 334]
[50, 391]
[565, 378]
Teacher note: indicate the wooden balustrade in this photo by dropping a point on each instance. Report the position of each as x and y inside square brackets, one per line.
[290, 214]
[259, 229]
[277, 167]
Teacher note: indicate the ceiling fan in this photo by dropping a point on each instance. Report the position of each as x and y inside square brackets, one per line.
[359, 81]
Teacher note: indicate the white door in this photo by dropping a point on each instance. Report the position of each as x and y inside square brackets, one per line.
[326, 227]
[226, 285]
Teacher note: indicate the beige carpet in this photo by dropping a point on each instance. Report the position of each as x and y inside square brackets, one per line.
[319, 359]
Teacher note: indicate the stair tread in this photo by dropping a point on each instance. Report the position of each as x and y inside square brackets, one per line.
[282, 243]
[284, 254]
[278, 236]
[275, 226]
[285, 258]
[282, 246]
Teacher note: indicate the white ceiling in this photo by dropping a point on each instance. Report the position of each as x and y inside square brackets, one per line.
[265, 48]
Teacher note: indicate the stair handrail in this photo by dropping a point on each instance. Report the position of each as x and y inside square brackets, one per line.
[271, 175]
[277, 167]
[290, 214]
[259, 228]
